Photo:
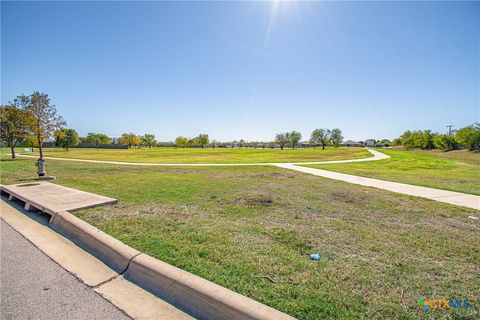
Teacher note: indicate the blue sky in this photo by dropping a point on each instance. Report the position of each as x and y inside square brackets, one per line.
[246, 69]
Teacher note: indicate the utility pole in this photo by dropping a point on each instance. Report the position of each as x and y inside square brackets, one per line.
[450, 129]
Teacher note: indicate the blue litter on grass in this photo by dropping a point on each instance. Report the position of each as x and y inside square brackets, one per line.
[314, 256]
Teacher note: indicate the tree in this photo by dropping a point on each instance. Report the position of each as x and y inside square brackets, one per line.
[30, 141]
[192, 143]
[281, 139]
[66, 138]
[149, 139]
[15, 125]
[294, 137]
[444, 142]
[417, 139]
[397, 142]
[130, 139]
[383, 143]
[407, 139]
[386, 142]
[181, 142]
[97, 139]
[320, 136]
[469, 137]
[426, 140]
[202, 140]
[241, 143]
[45, 118]
[336, 137]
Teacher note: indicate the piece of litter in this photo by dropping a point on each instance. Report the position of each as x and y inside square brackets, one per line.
[277, 281]
[314, 256]
[474, 218]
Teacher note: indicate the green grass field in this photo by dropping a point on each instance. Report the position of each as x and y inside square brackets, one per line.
[380, 251]
[216, 155]
[456, 155]
[455, 171]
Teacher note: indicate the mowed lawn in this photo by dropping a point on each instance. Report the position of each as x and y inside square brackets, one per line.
[209, 155]
[455, 171]
[472, 157]
[380, 251]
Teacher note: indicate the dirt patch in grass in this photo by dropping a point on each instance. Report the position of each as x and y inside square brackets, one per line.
[347, 197]
[256, 200]
[285, 174]
[245, 200]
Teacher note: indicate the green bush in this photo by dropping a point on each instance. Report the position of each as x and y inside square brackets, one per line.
[469, 137]
[465, 138]
[444, 142]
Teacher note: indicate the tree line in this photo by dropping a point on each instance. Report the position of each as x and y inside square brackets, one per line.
[66, 138]
[465, 138]
[30, 120]
[33, 119]
[201, 140]
[318, 137]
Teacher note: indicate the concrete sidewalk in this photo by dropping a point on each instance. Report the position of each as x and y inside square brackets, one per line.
[456, 198]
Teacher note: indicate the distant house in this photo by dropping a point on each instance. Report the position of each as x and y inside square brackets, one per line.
[101, 146]
[351, 143]
[228, 145]
[369, 143]
[48, 144]
[304, 144]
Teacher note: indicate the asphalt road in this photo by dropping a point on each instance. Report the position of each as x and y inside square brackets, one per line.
[34, 287]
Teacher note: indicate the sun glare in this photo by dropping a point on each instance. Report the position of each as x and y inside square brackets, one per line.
[277, 7]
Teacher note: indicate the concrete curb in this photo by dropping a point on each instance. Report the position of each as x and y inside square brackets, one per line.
[197, 296]
[201, 298]
[109, 250]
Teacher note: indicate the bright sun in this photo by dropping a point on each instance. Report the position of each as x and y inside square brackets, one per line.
[276, 7]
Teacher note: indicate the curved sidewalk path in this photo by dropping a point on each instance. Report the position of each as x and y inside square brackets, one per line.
[451, 197]
[376, 156]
